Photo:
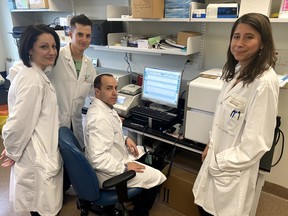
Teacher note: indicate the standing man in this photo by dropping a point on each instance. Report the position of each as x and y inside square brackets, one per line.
[73, 76]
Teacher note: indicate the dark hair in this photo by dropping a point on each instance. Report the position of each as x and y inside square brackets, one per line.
[80, 19]
[30, 36]
[265, 58]
[97, 81]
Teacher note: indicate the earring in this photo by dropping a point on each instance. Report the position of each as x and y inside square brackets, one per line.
[260, 52]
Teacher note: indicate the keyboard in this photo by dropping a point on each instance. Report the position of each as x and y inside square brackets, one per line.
[152, 113]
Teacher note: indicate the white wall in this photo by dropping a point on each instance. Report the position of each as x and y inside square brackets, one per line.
[7, 42]
[216, 43]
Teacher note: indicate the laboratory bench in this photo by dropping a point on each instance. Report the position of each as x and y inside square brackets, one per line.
[178, 141]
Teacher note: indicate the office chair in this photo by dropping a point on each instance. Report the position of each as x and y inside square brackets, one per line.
[85, 182]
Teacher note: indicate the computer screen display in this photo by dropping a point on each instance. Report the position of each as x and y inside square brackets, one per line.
[161, 86]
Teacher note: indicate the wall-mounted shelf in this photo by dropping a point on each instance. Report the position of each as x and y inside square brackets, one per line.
[193, 46]
[115, 13]
[148, 51]
[54, 6]
[192, 20]
[35, 10]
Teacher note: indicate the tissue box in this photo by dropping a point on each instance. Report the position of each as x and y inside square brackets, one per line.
[39, 4]
[148, 9]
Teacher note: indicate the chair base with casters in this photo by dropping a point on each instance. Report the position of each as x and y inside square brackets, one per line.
[85, 182]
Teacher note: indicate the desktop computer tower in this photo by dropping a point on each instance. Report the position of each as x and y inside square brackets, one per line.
[101, 28]
[154, 123]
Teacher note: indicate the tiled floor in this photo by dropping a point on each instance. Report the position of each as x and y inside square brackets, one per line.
[269, 204]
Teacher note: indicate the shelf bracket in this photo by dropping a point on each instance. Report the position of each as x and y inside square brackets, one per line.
[202, 46]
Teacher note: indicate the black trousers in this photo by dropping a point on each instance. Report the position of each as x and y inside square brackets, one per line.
[66, 180]
[144, 202]
[35, 214]
[202, 212]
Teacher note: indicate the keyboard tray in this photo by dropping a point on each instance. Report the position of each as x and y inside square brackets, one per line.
[153, 113]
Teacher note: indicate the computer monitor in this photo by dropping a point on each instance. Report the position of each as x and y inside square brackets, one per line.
[161, 86]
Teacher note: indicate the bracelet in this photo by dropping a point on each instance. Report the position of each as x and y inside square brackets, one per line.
[126, 140]
[126, 167]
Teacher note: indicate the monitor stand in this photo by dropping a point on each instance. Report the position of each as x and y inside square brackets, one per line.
[162, 108]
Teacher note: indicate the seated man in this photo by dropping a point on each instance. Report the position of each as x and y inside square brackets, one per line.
[110, 152]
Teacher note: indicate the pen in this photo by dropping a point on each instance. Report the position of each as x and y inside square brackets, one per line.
[135, 124]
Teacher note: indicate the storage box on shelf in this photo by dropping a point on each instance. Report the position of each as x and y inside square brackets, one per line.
[177, 9]
[183, 36]
[40, 4]
[22, 4]
[147, 9]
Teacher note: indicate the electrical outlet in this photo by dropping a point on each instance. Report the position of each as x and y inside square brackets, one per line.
[95, 62]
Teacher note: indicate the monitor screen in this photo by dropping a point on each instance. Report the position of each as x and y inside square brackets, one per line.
[161, 86]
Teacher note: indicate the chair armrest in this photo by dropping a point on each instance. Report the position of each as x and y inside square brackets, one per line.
[119, 179]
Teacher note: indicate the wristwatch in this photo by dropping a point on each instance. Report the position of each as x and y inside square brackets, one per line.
[126, 140]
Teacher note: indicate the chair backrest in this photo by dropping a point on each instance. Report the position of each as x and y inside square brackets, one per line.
[82, 176]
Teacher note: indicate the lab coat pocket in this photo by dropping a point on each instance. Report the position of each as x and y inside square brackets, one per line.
[232, 115]
[223, 178]
[48, 164]
[226, 188]
[53, 165]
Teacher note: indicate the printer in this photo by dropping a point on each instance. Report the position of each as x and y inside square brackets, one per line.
[129, 96]
[201, 100]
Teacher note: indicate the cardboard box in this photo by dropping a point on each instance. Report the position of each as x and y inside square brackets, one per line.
[147, 9]
[176, 191]
[43, 4]
[22, 4]
[183, 36]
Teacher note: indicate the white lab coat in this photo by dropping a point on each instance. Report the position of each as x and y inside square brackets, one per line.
[225, 185]
[72, 90]
[14, 70]
[31, 140]
[106, 149]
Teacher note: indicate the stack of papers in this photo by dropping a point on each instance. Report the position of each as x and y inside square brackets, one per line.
[170, 44]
